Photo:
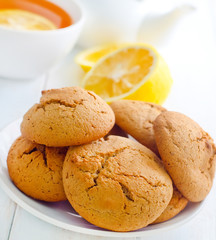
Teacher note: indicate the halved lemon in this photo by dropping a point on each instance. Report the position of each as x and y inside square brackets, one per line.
[132, 72]
[24, 20]
[87, 58]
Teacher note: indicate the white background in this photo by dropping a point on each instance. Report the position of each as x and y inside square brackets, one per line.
[189, 48]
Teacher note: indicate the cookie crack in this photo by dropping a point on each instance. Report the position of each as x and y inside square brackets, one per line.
[105, 157]
[60, 102]
[158, 184]
[41, 149]
[44, 155]
[109, 155]
[126, 192]
[30, 151]
[29, 163]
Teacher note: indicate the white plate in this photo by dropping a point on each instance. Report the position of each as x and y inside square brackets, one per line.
[62, 214]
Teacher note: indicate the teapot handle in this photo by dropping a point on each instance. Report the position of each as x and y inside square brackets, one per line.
[157, 26]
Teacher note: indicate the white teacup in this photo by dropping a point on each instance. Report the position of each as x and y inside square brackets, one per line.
[28, 54]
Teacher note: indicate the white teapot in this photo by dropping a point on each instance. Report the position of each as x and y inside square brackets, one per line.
[118, 20]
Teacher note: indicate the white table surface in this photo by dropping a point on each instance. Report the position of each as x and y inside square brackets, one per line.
[190, 52]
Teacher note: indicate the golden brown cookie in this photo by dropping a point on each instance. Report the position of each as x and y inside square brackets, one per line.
[116, 183]
[67, 116]
[136, 118]
[37, 170]
[175, 206]
[188, 153]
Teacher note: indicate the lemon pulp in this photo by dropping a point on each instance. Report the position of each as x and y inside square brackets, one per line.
[87, 58]
[24, 20]
[133, 72]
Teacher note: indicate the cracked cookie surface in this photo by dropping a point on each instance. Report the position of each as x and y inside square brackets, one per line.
[66, 117]
[136, 118]
[116, 183]
[188, 154]
[37, 170]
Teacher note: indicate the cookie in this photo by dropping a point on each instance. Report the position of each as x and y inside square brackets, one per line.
[136, 118]
[67, 116]
[116, 183]
[175, 206]
[188, 154]
[37, 170]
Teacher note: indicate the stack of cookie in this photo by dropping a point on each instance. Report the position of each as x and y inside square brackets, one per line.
[64, 117]
[68, 151]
